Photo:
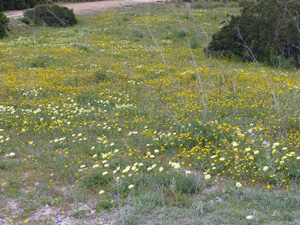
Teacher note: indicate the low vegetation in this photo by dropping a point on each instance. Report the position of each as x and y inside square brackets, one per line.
[123, 119]
[211, 4]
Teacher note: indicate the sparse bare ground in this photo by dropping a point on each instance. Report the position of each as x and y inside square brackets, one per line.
[48, 214]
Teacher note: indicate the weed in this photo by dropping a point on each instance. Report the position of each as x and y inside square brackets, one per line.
[79, 214]
[126, 19]
[179, 34]
[190, 184]
[96, 180]
[83, 47]
[100, 76]
[6, 164]
[107, 205]
[40, 61]
[194, 43]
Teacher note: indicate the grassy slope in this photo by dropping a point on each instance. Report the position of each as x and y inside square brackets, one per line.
[95, 98]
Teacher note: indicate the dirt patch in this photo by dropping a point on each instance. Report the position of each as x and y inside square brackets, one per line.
[86, 8]
[54, 215]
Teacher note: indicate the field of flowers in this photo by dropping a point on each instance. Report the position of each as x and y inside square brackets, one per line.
[128, 101]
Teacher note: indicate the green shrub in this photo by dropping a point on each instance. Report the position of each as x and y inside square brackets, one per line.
[266, 30]
[194, 43]
[180, 34]
[51, 15]
[24, 20]
[3, 25]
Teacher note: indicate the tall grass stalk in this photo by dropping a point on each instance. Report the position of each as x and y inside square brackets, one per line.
[194, 64]
[276, 103]
[165, 63]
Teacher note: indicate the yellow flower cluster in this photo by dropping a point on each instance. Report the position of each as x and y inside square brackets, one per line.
[143, 115]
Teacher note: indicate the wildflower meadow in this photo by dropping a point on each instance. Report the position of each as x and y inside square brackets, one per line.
[123, 119]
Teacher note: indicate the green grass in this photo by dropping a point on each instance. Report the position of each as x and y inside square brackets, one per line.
[110, 119]
[217, 204]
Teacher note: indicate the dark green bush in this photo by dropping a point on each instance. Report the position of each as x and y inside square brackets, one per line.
[24, 20]
[266, 30]
[51, 15]
[3, 25]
